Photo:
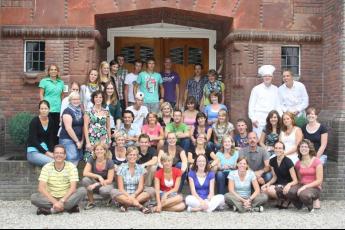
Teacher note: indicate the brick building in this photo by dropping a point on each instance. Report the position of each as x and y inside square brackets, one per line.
[306, 35]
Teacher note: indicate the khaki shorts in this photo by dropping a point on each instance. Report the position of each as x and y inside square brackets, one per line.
[151, 191]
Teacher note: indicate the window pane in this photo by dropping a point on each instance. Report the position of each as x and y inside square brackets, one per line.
[28, 66]
[283, 51]
[31, 46]
[42, 56]
[146, 52]
[29, 57]
[42, 46]
[36, 56]
[283, 61]
[129, 54]
[35, 66]
[295, 70]
[195, 56]
[289, 51]
[41, 66]
[177, 55]
[295, 51]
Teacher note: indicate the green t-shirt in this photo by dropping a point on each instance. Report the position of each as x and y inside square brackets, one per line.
[52, 93]
[149, 85]
[172, 128]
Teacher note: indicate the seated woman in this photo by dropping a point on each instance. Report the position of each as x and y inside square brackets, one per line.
[222, 128]
[240, 195]
[71, 135]
[227, 159]
[154, 130]
[202, 185]
[178, 155]
[212, 110]
[201, 149]
[98, 174]
[284, 177]
[167, 184]
[190, 112]
[270, 135]
[41, 137]
[201, 126]
[130, 179]
[309, 170]
[119, 155]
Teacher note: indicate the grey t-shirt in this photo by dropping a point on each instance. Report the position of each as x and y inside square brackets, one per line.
[256, 160]
[102, 172]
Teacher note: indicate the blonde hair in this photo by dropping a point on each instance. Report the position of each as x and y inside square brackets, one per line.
[165, 104]
[73, 95]
[107, 153]
[233, 148]
[103, 63]
[292, 117]
[131, 149]
[166, 157]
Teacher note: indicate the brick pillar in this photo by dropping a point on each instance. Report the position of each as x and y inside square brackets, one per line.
[333, 113]
[2, 133]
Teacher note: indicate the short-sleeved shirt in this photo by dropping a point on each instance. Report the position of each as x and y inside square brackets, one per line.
[139, 115]
[308, 174]
[172, 128]
[177, 157]
[160, 175]
[151, 153]
[170, 80]
[130, 80]
[77, 125]
[130, 182]
[212, 115]
[59, 182]
[196, 88]
[202, 190]
[243, 188]
[133, 131]
[52, 92]
[207, 153]
[241, 142]
[155, 132]
[101, 172]
[314, 137]
[149, 85]
[221, 130]
[256, 160]
[232, 161]
[283, 171]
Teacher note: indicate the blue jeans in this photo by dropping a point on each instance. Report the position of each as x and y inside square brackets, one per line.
[38, 159]
[221, 181]
[267, 176]
[73, 154]
[184, 176]
[185, 143]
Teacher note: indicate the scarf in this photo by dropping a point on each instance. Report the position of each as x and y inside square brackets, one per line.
[214, 87]
[93, 87]
[78, 114]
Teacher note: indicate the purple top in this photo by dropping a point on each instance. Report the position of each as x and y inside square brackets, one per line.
[204, 189]
[170, 80]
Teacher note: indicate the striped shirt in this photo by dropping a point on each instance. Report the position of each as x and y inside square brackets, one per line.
[130, 182]
[59, 182]
[195, 88]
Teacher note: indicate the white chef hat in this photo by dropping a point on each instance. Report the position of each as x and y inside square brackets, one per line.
[139, 96]
[266, 70]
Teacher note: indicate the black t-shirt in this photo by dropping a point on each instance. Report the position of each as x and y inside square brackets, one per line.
[283, 171]
[207, 152]
[151, 152]
[314, 137]
[77, 125]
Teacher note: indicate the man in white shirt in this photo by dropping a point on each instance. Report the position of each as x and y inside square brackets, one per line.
[130, 80]
[293, 97]
[139, 110]
[263, 99]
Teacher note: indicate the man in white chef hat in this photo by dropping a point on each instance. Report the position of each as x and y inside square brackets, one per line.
[263, 99]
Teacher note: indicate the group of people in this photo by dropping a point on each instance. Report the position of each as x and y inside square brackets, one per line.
[139, 146]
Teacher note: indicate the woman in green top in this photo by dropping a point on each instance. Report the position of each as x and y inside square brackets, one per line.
[112, 104]
[51, 90]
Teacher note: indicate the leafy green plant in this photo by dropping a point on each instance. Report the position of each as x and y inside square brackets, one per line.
[19, 127]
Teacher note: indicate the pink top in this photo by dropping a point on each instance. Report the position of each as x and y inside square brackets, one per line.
[152, 132]
[308, 175]
[189, 121]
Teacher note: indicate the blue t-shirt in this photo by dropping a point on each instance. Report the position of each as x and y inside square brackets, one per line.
[243, 188]
[232, 161]
[77, 125]
[241, 142]
[204, 189]
[149, 85]
[170, 80]
[212, 115]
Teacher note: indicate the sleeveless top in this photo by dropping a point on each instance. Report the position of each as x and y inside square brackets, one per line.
[290, 142]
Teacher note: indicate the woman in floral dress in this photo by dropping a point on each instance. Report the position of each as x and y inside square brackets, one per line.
[96, 124]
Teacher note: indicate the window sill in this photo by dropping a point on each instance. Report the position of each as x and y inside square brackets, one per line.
[33, 78]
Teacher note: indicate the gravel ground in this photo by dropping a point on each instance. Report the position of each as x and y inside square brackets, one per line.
[21, 214]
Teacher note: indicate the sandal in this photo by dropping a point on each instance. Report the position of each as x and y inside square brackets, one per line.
[123, 208]
[145, 210]
[89, 206]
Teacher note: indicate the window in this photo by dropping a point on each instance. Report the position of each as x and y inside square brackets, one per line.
[291, 59]
[34, 56]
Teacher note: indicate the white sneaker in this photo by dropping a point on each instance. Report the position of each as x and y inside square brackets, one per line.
[234, 208]
[258, 209]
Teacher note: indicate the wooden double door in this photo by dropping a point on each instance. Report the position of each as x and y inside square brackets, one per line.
[184, 53]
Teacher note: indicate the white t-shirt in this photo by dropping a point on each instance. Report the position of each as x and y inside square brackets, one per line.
[139, 115]
[130, 78]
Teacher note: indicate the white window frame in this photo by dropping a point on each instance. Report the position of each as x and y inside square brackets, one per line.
[299, 59]
[25, 43]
